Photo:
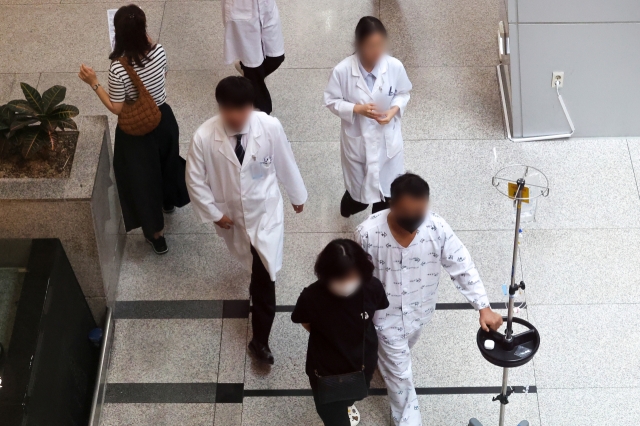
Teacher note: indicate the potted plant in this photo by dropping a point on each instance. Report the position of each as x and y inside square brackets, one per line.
[33, 140]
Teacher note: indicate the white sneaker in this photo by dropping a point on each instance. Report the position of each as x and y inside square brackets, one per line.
[238, 68]
[354, 415]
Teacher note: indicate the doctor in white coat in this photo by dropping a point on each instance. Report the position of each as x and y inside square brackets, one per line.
[234, 163]
[253, 41]
[369, 91]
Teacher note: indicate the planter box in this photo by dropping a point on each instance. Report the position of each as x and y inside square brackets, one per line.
[83, 211]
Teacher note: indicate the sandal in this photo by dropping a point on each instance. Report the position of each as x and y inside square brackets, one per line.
[354, 415]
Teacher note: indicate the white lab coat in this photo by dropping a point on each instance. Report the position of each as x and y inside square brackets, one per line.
[372, 154]
[252, 30]
[249, 194]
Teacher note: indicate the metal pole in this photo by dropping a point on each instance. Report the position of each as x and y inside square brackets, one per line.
[512, 287]
[505, 379]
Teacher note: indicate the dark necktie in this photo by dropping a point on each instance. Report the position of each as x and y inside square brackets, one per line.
[239, 149]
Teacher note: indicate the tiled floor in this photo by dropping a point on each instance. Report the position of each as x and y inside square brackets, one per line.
[179, 354]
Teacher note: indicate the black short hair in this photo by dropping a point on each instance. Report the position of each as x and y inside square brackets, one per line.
[367, 26]
[235, 92]
[340, 257]
[409, 184]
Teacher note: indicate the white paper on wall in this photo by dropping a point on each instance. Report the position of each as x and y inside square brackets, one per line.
[112, 31]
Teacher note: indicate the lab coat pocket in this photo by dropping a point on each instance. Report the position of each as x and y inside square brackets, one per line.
[353, 148]
[242, 10]
[393, 138]
[275, 215]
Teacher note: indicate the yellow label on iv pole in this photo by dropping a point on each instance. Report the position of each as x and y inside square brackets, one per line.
[513, 189]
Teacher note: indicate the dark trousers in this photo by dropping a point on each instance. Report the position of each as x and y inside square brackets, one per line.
[349, 206]
[263, 300]
[257, 76]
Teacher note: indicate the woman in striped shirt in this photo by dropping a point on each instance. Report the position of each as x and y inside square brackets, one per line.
[149, 170]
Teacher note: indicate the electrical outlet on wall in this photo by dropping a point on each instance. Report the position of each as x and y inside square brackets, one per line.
[557, 76]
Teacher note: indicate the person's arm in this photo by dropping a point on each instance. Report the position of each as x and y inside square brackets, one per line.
[400, 99]
[334, 100]
[287, 169]
[456, 260]
[202, 198]
[301, 314]
[88, 75]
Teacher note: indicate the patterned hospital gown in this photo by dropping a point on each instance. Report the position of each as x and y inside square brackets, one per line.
[410, 275]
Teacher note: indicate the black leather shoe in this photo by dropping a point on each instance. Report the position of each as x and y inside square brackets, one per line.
[261, 352]
[168, 209]
[159, 245]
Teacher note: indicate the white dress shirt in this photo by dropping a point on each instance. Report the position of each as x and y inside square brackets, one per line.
[411, 275]
[369, 77]
[232, 135]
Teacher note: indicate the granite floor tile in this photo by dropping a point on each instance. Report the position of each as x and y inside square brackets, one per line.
[568, 407]
[157, 414]
[454, 332]
[443, 33]
[319, 35]
[456, 410]
[319, 164]
[297, 103]
[453, 103]
[191, 95]
[460, 174]
[587, 346]
[197, 267]
[288, 342]
[634, 152]
[30, 33]
[165, 351]
[228, 415]
[193, 36]
[289, 411]
[10, 85]
[233, 350]
[581, 266]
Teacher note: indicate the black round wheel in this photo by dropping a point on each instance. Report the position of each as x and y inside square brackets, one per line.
[514, 353]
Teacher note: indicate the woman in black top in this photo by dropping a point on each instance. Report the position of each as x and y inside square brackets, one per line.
[331, 309]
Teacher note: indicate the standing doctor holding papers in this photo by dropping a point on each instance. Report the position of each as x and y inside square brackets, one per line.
[369, 91]
[233, 167]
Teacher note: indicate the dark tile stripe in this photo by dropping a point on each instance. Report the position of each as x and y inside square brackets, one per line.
[235, 309]
[229, 393]
[234, 393]
[197, 309]
[169, 309]
[160, 393]
[462, 390]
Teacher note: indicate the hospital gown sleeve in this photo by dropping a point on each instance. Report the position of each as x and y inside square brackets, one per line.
[457, 261]
[403, 86]
[286, 167]
[333, 99]
[200, 193]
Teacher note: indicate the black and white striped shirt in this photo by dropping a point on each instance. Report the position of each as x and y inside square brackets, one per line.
[152, 75]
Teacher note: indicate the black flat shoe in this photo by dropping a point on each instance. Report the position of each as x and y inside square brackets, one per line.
[168, 209]
[159, 245]
[261, 352]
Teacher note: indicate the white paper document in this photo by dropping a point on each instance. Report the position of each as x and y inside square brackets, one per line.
[112, 30]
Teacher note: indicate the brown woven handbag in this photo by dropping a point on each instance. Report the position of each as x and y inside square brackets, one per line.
[141, 116]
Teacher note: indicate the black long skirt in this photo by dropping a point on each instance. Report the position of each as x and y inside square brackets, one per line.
[149, 174]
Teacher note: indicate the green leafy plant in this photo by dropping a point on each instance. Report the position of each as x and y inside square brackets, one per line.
[30, 124]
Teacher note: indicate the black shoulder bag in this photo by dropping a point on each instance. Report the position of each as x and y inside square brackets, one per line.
[349, 386]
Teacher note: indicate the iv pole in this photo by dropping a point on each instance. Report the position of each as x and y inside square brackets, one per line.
[512, 350]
